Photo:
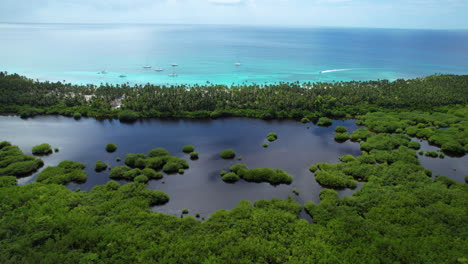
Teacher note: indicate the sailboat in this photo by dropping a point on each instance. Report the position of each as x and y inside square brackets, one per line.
[173, 74]
[158, 70]
[147, 67]
[237, 64]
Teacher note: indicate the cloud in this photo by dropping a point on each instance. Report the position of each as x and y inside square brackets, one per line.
[228, 2]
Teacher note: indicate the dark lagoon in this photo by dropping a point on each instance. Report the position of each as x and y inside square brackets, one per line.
[201, 189]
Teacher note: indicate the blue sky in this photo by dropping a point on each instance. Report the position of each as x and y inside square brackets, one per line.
[433, 14]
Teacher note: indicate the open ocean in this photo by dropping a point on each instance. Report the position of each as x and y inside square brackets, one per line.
[78, 52]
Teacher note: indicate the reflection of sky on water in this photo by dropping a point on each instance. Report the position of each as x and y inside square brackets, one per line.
[200, 189]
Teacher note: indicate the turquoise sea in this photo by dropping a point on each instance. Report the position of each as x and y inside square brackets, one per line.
[78, 53]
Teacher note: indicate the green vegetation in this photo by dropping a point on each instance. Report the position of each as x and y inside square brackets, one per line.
[265, 145]
[399, 216]
[432, 154]
[100, 166]
[230, 177]
[443, 126]
[181, 171]
[305, 120]
[185, 211]
[193, 155]
[272, 137]
[228, 154]
[188, 148]
[414, 145]
[280, 101]
[340, 129]
[42, 149]
[324, 121]
[111, 147]
[341, 137]
[157, 159]
[273, 176]
[158, 152]
[67, 171]
[13, 162]
[56, 149]
[296, 191]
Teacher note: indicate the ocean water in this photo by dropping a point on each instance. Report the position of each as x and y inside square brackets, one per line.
[77, 53]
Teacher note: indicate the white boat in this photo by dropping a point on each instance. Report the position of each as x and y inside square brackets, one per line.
[147, 67]
[172, 74]
[237, 64]
[158, 70]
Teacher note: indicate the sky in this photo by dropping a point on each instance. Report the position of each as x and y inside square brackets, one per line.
[427, 14]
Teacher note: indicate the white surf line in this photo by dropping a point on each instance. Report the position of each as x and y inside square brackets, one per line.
[336, 70]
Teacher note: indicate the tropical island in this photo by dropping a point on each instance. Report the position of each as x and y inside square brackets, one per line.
[403, 213]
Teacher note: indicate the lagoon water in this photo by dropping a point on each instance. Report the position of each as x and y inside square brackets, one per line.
[76, 53]
[200, 188]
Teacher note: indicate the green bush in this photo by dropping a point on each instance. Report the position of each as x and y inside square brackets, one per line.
[141, 179]
[65, 172]
[341, 137]
[466, 178]
[453, 148]
[118, 172]
[185, 211]
[100, 166]
[230, 177]
[296, 191]
[181, 171]
[313, 168]
[340, 129]
[228, 154]
[42, 149]
[432, 154]
[272, 137]
[77, 115]
[188, 148]
[305, 120]
[152, 174]
[414, 145]
[265, 145]
[130, 175]
[347, 158]
[361, 134]
[193, 155]
[7, 181]
[128, 116]
[111, 147]
[158, 152]
[135, 160]
[334, 179]
[328, 194]
[324, 121]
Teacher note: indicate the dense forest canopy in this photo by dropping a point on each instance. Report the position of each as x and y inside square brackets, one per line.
[283, 100]
[402, 214]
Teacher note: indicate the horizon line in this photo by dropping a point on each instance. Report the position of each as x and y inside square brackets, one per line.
[229, 24]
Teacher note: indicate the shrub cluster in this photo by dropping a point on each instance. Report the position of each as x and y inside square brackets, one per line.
[100, 166]
[14, 163]
[273, 176]
[149, 165]
[188, 148]
[111, 147]
[228, 154]
[272, 137]
[42, 149]
[324, 121]
[67, 171]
